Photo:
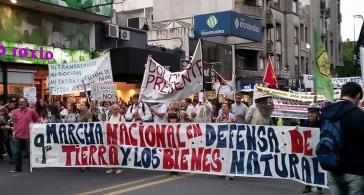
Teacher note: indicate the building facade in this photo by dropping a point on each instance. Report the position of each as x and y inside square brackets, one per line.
[36, 33]
[288, 27]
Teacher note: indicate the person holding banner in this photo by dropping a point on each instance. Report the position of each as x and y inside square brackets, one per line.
[22, 117]
[260, 112]
[85, 114]
[103, 113]
[138, 111]
[159, 111]
[312, 121]
[203, 109]
[115, 117]
[226, 116]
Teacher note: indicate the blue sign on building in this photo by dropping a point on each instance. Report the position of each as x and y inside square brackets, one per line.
[228, 23]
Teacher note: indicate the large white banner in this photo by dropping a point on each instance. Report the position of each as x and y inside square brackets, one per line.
[161, 85]
[76, 76]
[218, 149]
[337, 82]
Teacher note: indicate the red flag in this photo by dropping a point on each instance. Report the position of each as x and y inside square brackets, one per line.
[270, 77]
[221, 80]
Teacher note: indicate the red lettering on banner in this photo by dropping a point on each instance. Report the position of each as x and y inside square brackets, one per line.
[150, 79]
[167, 159]
[196, 159]
[141, 135]
[170, 137]
[84, 158]
[150, 136]
[91, 159]
[186, 78]
[206, 167]
[113, 155]
[150, 65]
[68, 150]
[102, 151]
[216, 160]
[300, 144]
[184, 161]
[176, 156]
[77, 154]
[161, 140]
[157, 83]
[307, 135]
[193, 131]
[124, 136]
[133, 141]
[181, 144]
[177, 85]
[111, 134]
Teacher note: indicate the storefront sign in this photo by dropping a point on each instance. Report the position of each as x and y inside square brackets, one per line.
[228, 23]
[75, 77]
[35, 54]
[215, 149]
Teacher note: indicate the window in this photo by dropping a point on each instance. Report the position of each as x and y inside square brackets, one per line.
[307, 61]
[278, 32]
[331, 48]
[261, 64]
[307, 39]
[302, 65]
[295, 34]
[296, 67]
[278, 62]
[248, 58]
[294, 6]
[302, 33]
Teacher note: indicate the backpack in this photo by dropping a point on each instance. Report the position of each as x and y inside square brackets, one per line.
[331, 143]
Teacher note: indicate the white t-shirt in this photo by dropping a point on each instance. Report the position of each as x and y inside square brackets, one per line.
[160, 108]
[116, 119]
[241, 108]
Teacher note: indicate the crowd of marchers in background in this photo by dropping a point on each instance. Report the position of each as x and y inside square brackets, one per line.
[18, 114]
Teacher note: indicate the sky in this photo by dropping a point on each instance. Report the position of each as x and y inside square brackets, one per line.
[349, 8]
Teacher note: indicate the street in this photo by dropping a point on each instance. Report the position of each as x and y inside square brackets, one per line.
[96, 181]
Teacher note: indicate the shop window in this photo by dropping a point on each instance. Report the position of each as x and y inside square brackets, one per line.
[249, 59]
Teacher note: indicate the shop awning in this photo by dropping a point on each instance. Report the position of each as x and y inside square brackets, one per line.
[228, 28]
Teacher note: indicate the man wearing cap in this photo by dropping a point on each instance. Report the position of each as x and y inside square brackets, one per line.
[312, 121]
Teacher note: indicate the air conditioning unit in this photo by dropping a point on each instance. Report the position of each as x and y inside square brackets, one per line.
[125, 35]
[112, 31]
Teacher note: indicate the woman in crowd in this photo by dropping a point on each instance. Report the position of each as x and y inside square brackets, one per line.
[72, 115]
[115, 117]
[42, 110]
[5, 133]
[226, 116]
[55, 114]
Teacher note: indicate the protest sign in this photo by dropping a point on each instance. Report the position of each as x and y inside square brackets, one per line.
[103, 91]
[337, 82]
[161, 85]
[217, 149]
[288, 104]
[74, 77]
[31, 94]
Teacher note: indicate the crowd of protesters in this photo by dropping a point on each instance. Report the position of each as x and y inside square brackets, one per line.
[17, 115]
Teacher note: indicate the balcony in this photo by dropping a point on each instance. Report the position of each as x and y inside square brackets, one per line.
[269, 19]
[250, 10]
[270, 49]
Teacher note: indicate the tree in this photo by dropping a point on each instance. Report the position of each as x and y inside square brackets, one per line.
[349, 69]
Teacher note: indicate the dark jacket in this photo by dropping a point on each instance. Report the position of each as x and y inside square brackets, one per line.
[352, 125]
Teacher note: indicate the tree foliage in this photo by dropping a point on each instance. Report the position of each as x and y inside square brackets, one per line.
[349, 69]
